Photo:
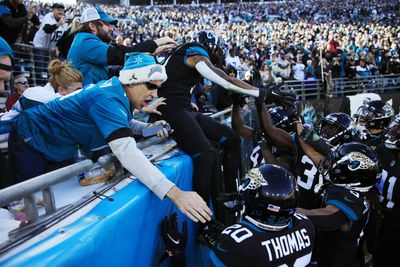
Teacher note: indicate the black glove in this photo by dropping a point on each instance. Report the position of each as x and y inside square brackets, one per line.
[209, 232]
[237, 99]
[275, 94]
[293, 112]
[175, 241]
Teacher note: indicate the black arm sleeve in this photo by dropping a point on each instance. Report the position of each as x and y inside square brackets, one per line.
[329, 223]
[116, 53]
[14, 22]
[120, 133]
[35, 20]
[50, 28]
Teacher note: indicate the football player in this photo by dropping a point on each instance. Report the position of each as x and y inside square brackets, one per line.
[372, 118]
[389, 197]
[270, 233]
[351, 171]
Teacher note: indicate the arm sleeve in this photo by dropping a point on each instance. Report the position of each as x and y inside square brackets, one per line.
[12, 22]
[50, 28]
[137, 126]
[136, 163]
[35, 20]
[116, 53]
[329, 223]
[350, 204]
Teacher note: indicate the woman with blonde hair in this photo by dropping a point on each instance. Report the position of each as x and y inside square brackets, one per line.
[63, 80]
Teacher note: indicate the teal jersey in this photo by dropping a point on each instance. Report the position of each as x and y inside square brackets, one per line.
[85, 117]
[88, 54]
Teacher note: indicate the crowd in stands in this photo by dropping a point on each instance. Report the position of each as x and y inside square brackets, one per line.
[356, 39]
[302, 40]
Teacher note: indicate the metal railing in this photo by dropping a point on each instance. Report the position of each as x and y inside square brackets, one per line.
[44, 183]
[344, 86]
[32, 62]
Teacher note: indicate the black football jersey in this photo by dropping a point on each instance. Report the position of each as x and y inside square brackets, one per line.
[244, 244]
[372, 140]
[307, 177]
[256, 157]
[339, 247]
[181, 78]
[389, 185]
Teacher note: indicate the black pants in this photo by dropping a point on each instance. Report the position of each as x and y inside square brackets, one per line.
[387, 242]
[192, 131]
[24, 162]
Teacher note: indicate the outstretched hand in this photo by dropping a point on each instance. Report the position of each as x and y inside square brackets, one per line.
[174, 240]
[152, 108]
[190, 204]
[274, 93]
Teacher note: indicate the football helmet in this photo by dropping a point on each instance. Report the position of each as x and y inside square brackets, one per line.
[393, 134]
[281, 120]
[336, 128]
[376, 114]
[270, 197]
[355, 166]
[212, 44]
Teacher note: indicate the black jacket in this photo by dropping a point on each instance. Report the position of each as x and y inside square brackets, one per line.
[12, 20]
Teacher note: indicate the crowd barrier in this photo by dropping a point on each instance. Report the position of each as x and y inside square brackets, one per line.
[32, 62]
[121, 229]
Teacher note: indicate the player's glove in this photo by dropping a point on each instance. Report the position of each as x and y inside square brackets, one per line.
[274, 93]
[237, 99]
[175, 241]
[360, 133]
[209, 232]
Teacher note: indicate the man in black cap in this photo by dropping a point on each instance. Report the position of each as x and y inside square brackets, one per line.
[52, 28]
[13, 15]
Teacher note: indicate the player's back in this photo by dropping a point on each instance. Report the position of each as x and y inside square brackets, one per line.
[244, 244]
[339, 247]
[181, 78]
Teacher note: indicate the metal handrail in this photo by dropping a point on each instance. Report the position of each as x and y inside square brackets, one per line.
[221, 114]
[27, 189]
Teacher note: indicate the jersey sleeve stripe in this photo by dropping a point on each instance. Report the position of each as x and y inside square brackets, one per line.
[344, 208]
[214, 259]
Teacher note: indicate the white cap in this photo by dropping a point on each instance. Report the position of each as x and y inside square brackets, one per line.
[89, 14]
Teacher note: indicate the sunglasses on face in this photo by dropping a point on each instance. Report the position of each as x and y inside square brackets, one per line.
[152, 86]
[22, 83]
[5, 67]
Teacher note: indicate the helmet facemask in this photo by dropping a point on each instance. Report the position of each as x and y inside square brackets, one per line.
[393, 134]
[354, 170]
[264, 207]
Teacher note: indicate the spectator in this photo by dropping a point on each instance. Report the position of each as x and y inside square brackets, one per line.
[299, 70]
[281, 68]
[127, 42]
[53, 26]
[20, 85]
[13, 16]
[362, 70]
[265, 73]
[350, 68]
[119, 40]
[6, 63]
[88, 118]
[63, 80]
[90, 52]
[64, 44]
[233, 60]
[310, 70]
